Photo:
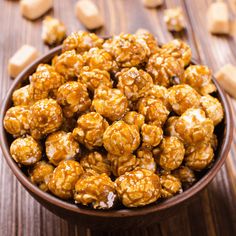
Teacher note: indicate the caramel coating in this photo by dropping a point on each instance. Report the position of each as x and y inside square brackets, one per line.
[64, 177]
[44, 82]
[21, 96]
[170, 185]
[97, 162]
[127, 49]
[90, 129]
[171, 153]
[110, 103]
[193, 126]
[212, 108]
[73, 97]
[68, 64]
[151, 135]
[134, 83]
[182, 97]
[121, 138]
[98, 190]
[201, 157]
[46, 117]
[94, 78]
[134, 118]
[163, 68]
[61, 146]
[145, 159]
[139, 187]
[40, 174]
[185, 175]
[81, 41]
[154, 110]
[122, 164]
[16, 120]
[25, 150]
[170, 126]
[179, 50]
[199, 77]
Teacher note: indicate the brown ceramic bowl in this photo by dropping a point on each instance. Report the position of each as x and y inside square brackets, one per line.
[122, 218]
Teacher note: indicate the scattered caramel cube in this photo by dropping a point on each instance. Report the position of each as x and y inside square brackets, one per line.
[226, 76]
[152, 3]
[88, 13]
[174, 19]
[33, 9]
[218, 18]
[53, 31]
[22, 58]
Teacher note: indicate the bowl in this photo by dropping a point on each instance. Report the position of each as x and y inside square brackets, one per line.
[122, 218]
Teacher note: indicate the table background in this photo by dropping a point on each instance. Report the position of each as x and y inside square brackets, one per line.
[213, 212]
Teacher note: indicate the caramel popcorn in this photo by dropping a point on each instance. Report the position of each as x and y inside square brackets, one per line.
[134, 83]
[21, 96]
[110, 103]
[145, 159]
[138, 188]
[121, 138]
[90, 130]
[170, 127]
[61, 146]
[134, 118]
[73, 97]
[185, 175]
[26, 151]
[64, 177]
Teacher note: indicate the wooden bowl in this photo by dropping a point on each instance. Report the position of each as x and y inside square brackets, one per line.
[122, 218]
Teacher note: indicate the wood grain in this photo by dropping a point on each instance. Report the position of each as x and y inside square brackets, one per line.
[213, 212]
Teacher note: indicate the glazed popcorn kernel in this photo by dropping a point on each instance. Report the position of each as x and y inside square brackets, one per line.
[61, 146]
[122, 164]
[171, 153]
[53, 31]
[199, 77]
[68, 64]
[110, 103]
[151, 135]
[174, 19]
[121, 138]
[40, 174]
[81, 41]
[169, 128]
[138, 188]
[178, 49]
[200, 158]
[170, 185]
[97, 162]
[145, 159]
[163, 67]
[134, 83]
[193, 126]
[21, 96]
[98, 190]
[26, 150]
[46, 117]
[182, 97]
[154, 110]
[64, 177]
[127, 49]
[90, 129]
[94, 78]
[16, 120]
[212, 108]
[134, 118]
[185, 175]
[44, 82]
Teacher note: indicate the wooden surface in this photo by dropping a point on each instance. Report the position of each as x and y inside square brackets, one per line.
[214, 211]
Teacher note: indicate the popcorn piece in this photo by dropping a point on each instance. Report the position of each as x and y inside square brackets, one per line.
[88, 13]
[53, 31]
[22, 58]
[226, 76]
[152, 3]
[33, 9]
[218, 18]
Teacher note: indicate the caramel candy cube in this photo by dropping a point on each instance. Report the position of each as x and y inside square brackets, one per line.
[152, 3]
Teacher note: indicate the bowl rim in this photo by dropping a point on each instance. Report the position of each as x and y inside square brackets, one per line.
[129, 212]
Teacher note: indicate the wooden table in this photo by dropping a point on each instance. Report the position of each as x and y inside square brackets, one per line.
[214, 211]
